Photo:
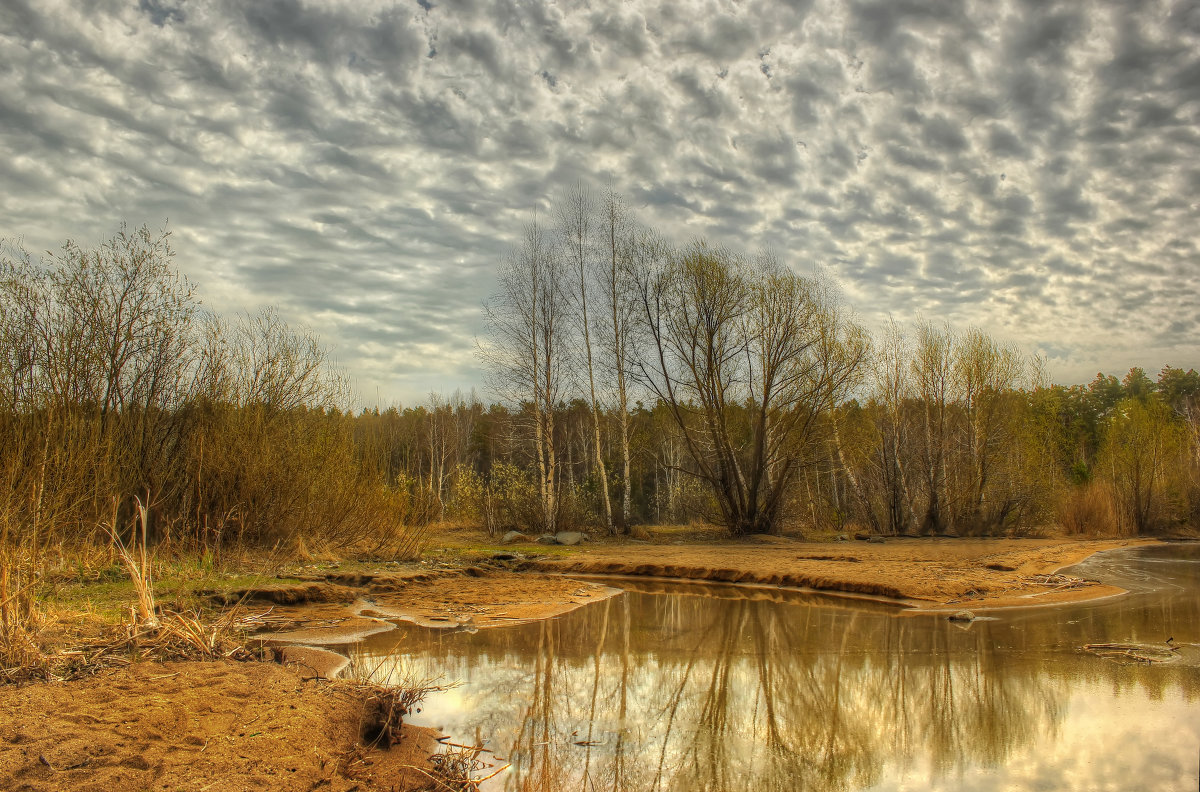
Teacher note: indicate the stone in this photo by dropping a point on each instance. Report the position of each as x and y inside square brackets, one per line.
[568, 537]
[841, 538]
[874, 540]
[962, 616]
[547, 539]
[513, 536]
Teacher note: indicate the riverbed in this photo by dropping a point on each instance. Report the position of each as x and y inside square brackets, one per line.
[706, 687]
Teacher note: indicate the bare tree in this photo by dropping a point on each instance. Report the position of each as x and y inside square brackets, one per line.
[987, 375]
[527, 350]
[893, 387]
[748, 357]
[626, 250]
[932, 371]
[576, 212]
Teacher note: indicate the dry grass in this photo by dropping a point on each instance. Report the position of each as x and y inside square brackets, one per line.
[21, 620]
[1089, 510]
[386, 704]
[139, 569]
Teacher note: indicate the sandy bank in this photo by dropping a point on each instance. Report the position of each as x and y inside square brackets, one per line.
[216, 726]
[925, 573]
[473, 598]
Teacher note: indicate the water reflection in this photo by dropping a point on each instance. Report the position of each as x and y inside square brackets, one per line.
[724, 689]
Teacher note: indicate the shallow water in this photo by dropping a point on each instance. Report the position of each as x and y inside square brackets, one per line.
[695, 687]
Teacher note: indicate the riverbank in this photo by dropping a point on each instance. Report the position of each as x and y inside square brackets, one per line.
[925, 573]
[478, 588]
[267, 725]
[198, 726]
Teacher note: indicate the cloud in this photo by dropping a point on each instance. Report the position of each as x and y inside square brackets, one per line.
[1023, 167]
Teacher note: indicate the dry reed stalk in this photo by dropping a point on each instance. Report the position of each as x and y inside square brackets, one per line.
[460, 767]
[20, 623]
[1089, 510]
[139, 570]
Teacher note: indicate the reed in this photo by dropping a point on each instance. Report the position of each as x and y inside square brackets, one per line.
[21, 621]
[145, 616]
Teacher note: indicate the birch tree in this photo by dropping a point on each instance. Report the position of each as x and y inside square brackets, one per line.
[576, 218]
[526, 353]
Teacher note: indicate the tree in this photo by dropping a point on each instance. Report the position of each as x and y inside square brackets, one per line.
[626, 249]
[1141, 443]
[932, 372]
[527, 351]
[749, 358]
[576, 211]
[987, 375]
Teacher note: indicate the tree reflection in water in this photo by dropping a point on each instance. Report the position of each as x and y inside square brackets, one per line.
[730, 689]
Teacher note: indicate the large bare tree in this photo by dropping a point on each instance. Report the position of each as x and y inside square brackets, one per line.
[750, 358]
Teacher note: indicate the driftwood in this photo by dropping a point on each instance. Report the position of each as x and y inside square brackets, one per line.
[1134, 652]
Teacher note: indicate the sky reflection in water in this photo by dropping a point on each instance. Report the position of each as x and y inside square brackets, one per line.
[718, 688]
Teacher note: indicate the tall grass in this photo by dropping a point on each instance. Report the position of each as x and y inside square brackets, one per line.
[20, 619]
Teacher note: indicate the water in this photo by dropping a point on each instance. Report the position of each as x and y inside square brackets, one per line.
[692, 687]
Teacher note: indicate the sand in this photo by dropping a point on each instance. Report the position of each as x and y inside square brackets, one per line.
[195, 726]
[924, 573]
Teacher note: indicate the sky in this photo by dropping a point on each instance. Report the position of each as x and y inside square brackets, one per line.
[1028, 168]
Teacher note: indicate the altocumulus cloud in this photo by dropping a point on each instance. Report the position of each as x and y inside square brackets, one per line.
[1027, 167]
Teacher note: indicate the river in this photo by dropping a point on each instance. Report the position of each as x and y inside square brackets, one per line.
[698, 687]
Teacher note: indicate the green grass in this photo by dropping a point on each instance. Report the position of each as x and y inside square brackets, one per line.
[175, 587]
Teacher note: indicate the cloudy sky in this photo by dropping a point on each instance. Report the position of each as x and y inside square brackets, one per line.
[1031, 168]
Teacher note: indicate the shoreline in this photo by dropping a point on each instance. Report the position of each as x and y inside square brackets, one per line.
[283, 725]
[967, 575]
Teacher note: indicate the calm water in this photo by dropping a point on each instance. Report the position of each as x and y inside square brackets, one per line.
[696, 687]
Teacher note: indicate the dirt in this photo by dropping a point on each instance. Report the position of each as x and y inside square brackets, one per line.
[197, 726]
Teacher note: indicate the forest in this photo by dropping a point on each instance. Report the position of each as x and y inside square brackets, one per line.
[632, 381]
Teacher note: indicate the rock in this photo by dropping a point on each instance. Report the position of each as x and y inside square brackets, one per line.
[874, 540]
[568, 537]
[547, 539]
[962, 616]
[513, 536]
[505, 556]
[841, 538]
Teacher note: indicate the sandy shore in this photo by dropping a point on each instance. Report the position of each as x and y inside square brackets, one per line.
[923, 573]
[196, 726]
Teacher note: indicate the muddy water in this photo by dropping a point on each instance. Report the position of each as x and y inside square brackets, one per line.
[696, 687]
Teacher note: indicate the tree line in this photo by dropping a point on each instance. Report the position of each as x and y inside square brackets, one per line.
[637, 381]
[773, 408]
[119, 391]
